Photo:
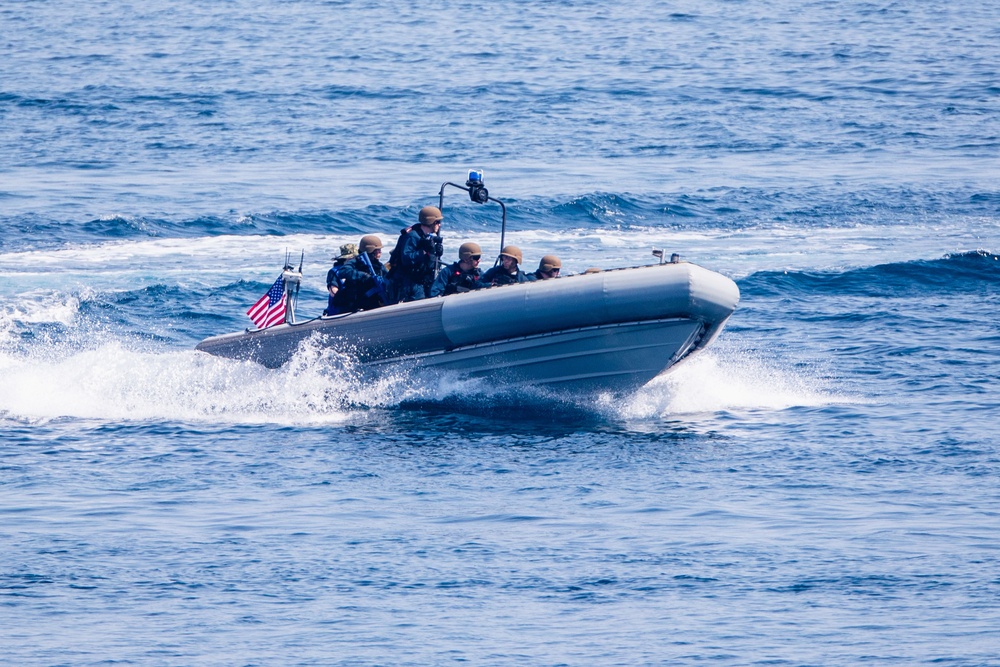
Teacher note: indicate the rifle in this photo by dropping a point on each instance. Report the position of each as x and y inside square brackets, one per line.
[379, 281]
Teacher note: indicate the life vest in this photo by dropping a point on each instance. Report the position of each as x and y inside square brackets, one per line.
[396, 256]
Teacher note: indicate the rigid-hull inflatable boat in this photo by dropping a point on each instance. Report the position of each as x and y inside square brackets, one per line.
[610, 330]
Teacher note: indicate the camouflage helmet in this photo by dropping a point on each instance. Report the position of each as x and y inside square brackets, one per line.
[469, 249]
[369, 243]
[512, 251]
[548, 263]
[347, 251]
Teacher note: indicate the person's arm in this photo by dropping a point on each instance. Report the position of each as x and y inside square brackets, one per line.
[440, 283]
[331, 281]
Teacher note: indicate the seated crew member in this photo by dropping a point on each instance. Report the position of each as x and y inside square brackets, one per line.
[364, 279]
[507, 271]
[548, 268]
[414, 260]
[333, 280]
[463, 275]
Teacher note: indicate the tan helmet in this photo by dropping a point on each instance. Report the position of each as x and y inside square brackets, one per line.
[429, 215]
[548, 263]
[369, 243]
[469, 249]
[512, 251]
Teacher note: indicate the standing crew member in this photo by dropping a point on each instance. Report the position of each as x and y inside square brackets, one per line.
[463, 275]
[364, 279]
[507, 271]
[414, 260]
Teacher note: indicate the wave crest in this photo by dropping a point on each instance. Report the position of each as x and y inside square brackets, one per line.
[967, 272]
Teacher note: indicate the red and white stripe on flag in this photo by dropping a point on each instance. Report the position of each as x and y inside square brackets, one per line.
[270, 308]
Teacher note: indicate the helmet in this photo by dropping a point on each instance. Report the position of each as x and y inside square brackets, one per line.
[369, 243]
[347, 251]
[469, 249]
[430, 214]
[512, 251]
[549, 262]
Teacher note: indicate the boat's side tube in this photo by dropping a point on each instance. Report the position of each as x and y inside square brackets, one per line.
[656, 292]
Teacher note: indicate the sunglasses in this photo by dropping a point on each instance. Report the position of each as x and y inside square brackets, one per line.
[475, 257]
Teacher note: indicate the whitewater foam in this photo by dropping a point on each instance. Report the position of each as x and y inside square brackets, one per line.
[39, 308]
[728, 380]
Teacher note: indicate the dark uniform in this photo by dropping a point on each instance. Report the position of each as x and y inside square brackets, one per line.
[453, 279]
[499, 276]
[362, 290]
[334, 282]
[414, 260]
[417, 261]
[334, 279]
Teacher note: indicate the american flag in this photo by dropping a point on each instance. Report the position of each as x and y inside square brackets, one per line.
[270, 308]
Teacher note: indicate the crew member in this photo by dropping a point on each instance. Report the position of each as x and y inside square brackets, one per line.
[333, 280]
[463, 275]
[414, 260]
[507, 271]
[364, 279]
[548, 268]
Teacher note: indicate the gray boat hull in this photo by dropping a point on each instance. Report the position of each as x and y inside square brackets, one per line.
[607, 331]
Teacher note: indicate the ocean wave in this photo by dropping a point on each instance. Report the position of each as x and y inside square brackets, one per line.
[35, 232]
[976, 271]
[720, 222]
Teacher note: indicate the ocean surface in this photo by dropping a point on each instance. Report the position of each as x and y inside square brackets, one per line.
[820, 487]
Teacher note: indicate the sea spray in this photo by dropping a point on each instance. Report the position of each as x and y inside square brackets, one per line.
[731, 378]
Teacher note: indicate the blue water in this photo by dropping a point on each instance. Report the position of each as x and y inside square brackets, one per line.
[818, 488]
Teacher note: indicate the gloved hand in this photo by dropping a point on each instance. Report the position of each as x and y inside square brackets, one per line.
[426, 244]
